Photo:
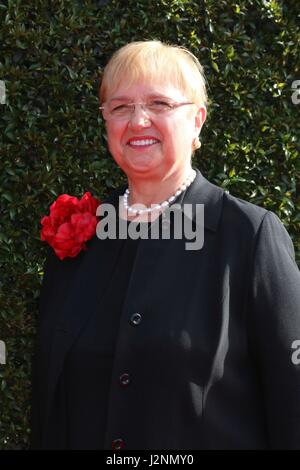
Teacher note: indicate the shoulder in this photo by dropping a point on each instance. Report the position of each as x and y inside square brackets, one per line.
[224, 211]
[252, 216]
[238, 211]
[268, 234]
[238, 219]
[262, 226]
[57, 272]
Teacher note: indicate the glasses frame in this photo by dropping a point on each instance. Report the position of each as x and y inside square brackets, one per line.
[173, 105]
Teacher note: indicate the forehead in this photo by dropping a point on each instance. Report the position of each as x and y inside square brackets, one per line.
[145, 89]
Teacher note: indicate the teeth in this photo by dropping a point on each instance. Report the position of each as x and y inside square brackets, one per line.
[143, 142]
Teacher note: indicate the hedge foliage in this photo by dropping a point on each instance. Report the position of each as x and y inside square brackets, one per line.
[52, 139]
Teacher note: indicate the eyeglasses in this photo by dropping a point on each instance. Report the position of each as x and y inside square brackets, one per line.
[118, 111]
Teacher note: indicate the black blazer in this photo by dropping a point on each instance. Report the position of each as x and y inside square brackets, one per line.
[213, 362]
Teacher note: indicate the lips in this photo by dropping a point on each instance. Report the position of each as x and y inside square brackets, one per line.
[143, 141]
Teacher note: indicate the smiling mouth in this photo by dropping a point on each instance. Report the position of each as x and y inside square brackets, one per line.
[142, 142]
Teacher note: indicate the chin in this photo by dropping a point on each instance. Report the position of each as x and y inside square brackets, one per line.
[141, 164]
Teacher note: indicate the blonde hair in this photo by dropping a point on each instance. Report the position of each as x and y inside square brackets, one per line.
[154, 60]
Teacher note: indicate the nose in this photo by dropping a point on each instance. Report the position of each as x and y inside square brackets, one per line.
[139, 117]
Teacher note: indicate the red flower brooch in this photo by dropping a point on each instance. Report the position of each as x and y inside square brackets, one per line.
[70, 224]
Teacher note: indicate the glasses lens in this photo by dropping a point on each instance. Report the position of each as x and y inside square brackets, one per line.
[116, 110]
[120, 110]
[159, 106]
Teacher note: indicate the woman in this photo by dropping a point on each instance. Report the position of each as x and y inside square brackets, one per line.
[145, 344]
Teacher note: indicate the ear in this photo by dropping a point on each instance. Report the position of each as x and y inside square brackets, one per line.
[200, 119]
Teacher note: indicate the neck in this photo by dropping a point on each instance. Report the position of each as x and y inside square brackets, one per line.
[155, 190]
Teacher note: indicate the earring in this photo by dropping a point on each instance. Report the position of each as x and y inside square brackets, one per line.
[196, 143]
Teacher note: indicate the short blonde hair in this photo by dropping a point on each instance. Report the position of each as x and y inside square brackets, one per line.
[155, 60]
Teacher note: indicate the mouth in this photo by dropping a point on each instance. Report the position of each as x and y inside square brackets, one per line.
[142, 142]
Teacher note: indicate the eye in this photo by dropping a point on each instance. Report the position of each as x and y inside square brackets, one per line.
[159, 105]
[119, 108]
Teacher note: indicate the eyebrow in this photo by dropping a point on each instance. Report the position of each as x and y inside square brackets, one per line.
[152, 95]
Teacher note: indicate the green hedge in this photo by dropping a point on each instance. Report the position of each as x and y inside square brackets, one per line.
[52, 139]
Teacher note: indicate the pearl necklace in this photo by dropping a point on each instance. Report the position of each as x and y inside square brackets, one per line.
[161, 205]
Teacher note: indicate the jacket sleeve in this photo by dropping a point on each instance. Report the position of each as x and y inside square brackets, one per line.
[274, 331]
[57, 276]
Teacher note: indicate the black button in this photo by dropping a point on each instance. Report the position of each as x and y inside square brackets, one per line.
[135, 319]
[125, 379]
[117, 444]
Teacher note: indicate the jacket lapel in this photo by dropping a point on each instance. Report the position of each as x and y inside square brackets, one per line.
[206, 193]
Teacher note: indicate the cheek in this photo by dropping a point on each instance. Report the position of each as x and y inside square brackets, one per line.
[170, 133]
[111, 131]
[183, 133]
[114, 135]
